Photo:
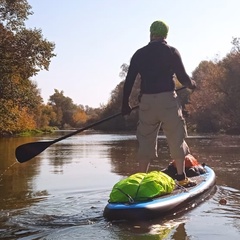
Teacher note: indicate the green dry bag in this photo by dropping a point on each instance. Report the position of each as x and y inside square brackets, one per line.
[141, 187]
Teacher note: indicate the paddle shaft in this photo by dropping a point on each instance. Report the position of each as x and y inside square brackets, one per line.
[89, 126]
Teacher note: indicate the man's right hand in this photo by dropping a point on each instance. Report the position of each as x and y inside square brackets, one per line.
[126, 109]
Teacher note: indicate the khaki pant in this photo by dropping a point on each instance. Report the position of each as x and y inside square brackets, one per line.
[156, 110]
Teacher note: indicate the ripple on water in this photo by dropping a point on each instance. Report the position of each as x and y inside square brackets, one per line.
[64, 211]
[213, 220]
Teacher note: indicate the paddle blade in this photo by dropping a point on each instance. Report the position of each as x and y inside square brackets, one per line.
[28, 151]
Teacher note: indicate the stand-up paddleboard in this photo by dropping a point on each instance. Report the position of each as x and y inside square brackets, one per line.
[163, 205]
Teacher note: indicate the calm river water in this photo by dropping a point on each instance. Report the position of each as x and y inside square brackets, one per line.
[61, 193]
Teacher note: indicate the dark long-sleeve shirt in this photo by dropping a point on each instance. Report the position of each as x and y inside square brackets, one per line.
[156, 63]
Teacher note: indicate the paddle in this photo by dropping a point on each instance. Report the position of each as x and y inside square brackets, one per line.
[27, 151]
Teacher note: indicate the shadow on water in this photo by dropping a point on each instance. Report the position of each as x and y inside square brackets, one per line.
[61, 193]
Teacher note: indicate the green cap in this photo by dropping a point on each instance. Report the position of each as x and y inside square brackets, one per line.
[159, 29]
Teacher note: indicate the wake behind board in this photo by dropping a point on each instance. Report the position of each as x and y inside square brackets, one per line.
[163, 205]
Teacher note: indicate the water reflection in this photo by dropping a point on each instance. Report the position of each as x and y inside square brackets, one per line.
[62, 192]
[16, 180]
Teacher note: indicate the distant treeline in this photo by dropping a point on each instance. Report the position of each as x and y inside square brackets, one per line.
[213, 107]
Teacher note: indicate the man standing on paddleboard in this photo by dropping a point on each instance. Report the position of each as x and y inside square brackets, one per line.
[156, 63]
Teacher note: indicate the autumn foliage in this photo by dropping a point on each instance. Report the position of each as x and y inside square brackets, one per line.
[213, 107]
[23, 53]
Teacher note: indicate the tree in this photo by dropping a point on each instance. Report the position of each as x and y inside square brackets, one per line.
[23, 53]
[215, 106]
[61, 106]
[231, 88]
[13, 119]
[13, 13]
[47, 116]
[67, 114]
[204, 103]
[79, 117]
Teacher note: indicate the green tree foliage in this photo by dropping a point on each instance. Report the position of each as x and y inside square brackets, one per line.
[215, 106]
[13, 13]
[63, 108]
[23, 53]
[46, 117]
[67, 114]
